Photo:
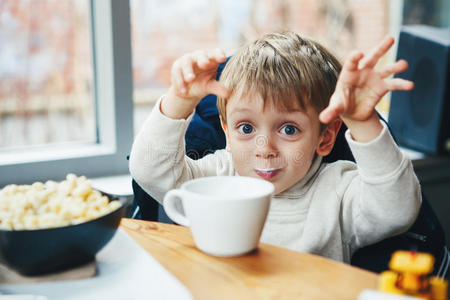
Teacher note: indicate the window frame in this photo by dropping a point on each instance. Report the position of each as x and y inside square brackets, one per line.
[113, 95]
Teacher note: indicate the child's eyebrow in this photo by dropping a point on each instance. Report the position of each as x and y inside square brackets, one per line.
[241, 110]
[292, 111]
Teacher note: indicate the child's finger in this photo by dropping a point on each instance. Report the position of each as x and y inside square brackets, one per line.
[177, 78]
[215, 87]
[187, 69]
[182, 86]
[218, 55]
[328, 115]
[215, 57]
[202, 60]
[372, 58]
[332, 112]
[390, 69]
[352, 63]
[399, 84]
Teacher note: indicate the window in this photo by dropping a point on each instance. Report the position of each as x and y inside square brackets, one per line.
[46, 74]
[92, 100]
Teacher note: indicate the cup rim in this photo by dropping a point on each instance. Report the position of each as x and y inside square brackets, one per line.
[267, 188]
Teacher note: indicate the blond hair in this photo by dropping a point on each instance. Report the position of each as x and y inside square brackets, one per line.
[285, 69]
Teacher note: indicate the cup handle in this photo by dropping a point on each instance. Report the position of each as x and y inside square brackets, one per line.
[170, 207]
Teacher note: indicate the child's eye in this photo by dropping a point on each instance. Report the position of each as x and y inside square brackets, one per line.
[289, 130]
[245, 128]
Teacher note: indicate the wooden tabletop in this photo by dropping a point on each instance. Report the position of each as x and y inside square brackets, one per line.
[267, 273]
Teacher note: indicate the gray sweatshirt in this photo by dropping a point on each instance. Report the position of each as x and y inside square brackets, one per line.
[334, 210]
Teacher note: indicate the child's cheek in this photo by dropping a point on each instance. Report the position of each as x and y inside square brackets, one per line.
[298, 158]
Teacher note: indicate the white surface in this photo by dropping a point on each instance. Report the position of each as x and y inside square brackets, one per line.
[125, 271]
[22, 297]
[117, 185]
[377, 295]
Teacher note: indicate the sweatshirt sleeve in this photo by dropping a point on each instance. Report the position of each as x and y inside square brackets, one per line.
[384, 197]
[158, 161]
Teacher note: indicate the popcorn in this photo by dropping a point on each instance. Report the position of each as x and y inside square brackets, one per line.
[51, 204]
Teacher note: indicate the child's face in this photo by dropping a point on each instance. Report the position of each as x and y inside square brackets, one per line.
[271, 144]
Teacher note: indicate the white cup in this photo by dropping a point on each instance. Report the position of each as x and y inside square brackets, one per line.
[226, 214]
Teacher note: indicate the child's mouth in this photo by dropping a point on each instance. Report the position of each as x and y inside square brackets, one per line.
[267, 174]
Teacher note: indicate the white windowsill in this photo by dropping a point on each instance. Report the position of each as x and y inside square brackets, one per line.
[55, 152]
[117, 185]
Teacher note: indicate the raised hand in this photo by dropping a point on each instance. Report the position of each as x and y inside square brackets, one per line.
[194, 74]
[360, 87]
[193, 77]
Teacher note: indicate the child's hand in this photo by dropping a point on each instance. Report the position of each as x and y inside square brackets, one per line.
[360, 87]
[193, 77]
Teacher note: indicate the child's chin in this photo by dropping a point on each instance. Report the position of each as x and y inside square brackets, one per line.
[278, 190]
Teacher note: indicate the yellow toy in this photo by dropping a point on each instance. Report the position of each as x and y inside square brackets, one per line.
[409, 275]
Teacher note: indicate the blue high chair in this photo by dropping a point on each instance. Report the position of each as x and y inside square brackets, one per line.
[205, 135]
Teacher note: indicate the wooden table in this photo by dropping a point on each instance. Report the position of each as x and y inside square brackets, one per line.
[267, 273]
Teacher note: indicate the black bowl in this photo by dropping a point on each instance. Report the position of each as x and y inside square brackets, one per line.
[41, 251]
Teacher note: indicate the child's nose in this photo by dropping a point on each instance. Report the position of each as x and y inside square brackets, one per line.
[265, 147]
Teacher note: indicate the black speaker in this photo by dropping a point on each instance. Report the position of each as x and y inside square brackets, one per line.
[420, 119]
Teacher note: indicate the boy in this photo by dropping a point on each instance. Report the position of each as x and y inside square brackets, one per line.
[272, 97]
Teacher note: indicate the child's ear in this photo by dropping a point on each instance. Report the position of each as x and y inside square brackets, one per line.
[225, 129]
[328, 137]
